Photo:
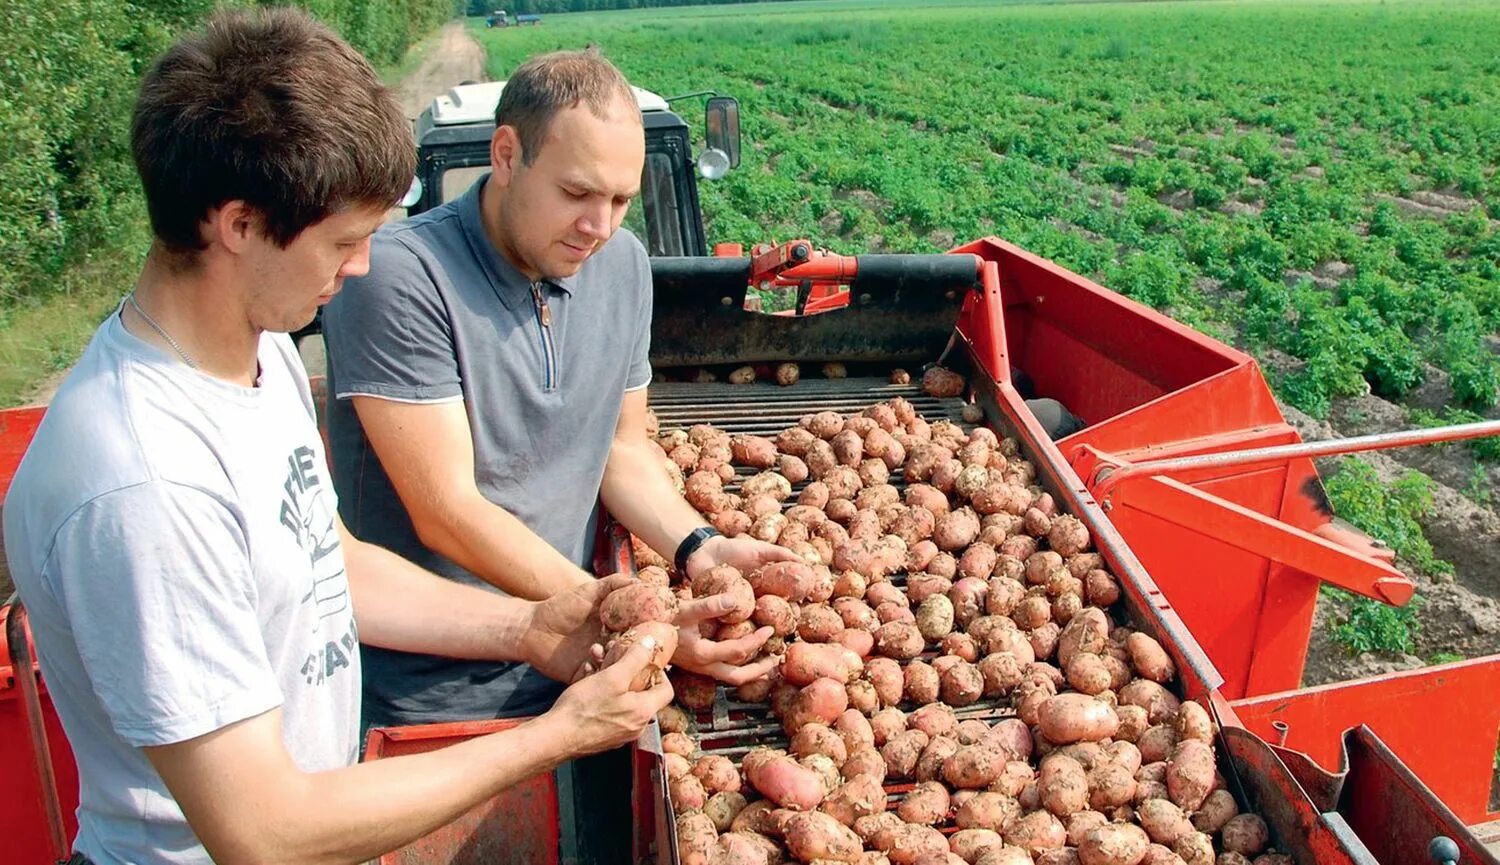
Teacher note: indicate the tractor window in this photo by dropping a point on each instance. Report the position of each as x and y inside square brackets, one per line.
[456, 181]
[658, 205]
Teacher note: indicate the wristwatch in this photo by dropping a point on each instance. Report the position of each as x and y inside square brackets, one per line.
[690, 545]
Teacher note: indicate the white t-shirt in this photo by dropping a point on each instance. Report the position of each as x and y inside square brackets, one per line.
[173, 537]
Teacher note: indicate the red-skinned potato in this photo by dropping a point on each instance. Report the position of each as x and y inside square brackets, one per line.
[638, 602]
[819, 739]
[1150, 660]
[816, 836]
[902, 751]
[1068, 718]
[927, 804]
[1036, 832]
[861, 796]
[988, 810]
[1215, 811]
[782, 780]
[970, 844]
[864, 762]
[717, 773]
[899, 640]
[921, 683]
[1114, 844]
[930, 764]
[888, 678]
[806, 662]
[696, 838]
[887, 723]
[1190, 774]
[1063, 785]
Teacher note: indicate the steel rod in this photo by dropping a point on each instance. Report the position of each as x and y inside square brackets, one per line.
[1110, 477]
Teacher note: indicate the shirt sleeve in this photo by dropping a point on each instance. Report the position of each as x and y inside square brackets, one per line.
[388, 334]
[156, 584]
[640, 355]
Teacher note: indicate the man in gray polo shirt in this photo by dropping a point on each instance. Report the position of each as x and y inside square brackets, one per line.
[490, 389]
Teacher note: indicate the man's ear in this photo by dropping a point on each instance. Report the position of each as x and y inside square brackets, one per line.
[505, 154]
[233, 225]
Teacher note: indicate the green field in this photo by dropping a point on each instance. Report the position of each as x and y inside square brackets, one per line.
[1313, 181]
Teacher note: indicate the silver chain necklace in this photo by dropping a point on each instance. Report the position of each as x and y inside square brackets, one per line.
[159, 329]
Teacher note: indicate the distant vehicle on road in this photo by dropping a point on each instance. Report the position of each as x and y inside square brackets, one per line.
[499, 18]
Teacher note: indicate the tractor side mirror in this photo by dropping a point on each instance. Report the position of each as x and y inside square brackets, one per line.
[722, 119]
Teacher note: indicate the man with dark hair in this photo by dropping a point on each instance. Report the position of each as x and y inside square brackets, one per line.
[490, 378]
[196, 601]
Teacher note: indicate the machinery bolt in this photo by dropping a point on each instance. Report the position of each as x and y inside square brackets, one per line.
[1282, 728]
[1443, 850]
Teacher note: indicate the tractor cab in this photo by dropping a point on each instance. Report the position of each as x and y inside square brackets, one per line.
[453, 140]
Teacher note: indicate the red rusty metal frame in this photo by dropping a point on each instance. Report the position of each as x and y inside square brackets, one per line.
[519, 825]
[1441, 721]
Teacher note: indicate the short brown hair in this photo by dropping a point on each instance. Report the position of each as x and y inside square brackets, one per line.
[270, 107]
[551, 83]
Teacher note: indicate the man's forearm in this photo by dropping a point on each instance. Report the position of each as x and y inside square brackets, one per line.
[489, 542]
[357, 813]
[638, 492]
[397, 605]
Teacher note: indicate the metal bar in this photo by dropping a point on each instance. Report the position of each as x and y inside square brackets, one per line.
[1109, 478]
[1241, 527]
[25, 672]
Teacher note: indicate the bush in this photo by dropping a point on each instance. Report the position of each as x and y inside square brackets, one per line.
[66, 89]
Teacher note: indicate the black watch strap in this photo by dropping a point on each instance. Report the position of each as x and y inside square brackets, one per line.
[690, 545]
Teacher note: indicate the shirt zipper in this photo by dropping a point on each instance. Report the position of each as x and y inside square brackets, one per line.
[549, 349]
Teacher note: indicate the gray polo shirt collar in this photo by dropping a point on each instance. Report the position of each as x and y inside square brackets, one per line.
[510, 284]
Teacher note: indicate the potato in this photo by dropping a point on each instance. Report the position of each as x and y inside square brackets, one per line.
[783, 780]
[813, 836]
[675, 764]
[969, 844]
[768, 483]
[987, 810]
[693, 691]
[1079, 825]
[961, 684]
[864, 762]
[1156, 744]
[723, 807]
[1101, 589]
[673, 720]
[935, 617]
[777, 613]
[687, 793]
[862, 696]
[1160, 704]
[753, 451]
[821, 701]
[861, 796]
[887, 722]
[1163, 821]
[638, 602]
[696, 836]
[1068, 718]
[1215, 811]
[1006, 855]
[1001, 672]
[1063, 785]
[956, 530]
[1156, 854]
[943, 565]
[915, 844]
[1190, 774]
[902, 751]
[1014, 778]
[1193, 722]
[1036, 832]
[927, 804]
[819, 624]
[900, 640]
[886, 675]
[930, 764]
[921, 587]
[974, 766]
[942, 383]
[806, 662]
[1067, 535]
[1114, 844]
[878, 831]
[1088, 674]
[819, 739]
[726, 580]
[1195, 849]
[1110, 786]
[1149, 659]
[1246, 834]
[921, 683]
[717, 773]
[731, 524]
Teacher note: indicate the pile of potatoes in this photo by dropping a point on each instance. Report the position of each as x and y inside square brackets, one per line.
[966, 589]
